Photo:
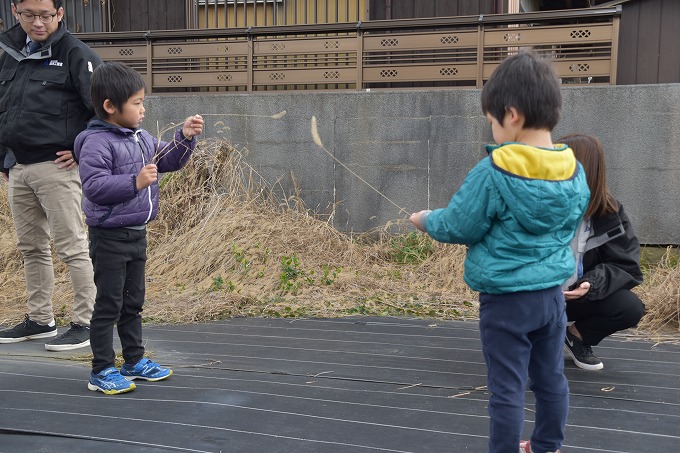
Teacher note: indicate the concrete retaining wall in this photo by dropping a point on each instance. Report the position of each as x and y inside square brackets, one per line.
[415, 147]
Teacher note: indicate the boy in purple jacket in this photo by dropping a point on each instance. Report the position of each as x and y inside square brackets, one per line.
[119, 166]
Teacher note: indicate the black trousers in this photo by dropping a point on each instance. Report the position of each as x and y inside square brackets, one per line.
[597, 319]
[119, 260]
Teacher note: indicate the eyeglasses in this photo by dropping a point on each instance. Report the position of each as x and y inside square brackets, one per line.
[30, 17]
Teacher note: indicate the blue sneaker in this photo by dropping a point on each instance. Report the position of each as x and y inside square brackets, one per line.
[145, 369]
[110, 382]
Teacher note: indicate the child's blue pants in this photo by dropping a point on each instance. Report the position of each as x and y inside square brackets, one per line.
[523, 332]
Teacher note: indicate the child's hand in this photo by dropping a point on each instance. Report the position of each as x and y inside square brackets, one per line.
[578, 292]
[415, 219]
[193, 126]
[146, 177]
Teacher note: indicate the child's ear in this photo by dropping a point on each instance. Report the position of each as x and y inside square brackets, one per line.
[514, 116]
[109, 107]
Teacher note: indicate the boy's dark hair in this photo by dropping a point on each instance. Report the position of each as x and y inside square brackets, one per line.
[528, 83]
[57, 3]
[116, 82]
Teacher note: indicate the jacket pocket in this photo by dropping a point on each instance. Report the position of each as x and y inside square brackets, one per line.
[44, 91]
[103, 216]
[6, 76]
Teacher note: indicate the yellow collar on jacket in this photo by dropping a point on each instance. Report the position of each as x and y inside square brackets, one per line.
[557, 164]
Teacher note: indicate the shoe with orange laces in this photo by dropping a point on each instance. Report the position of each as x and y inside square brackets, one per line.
[525, 447]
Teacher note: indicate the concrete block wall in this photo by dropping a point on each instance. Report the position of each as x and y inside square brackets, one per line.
[415, 147]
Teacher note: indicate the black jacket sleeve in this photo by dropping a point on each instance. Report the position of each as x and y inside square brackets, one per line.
[3, 153]
[613, 265]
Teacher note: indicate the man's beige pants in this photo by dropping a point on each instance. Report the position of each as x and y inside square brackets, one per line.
[45, 199]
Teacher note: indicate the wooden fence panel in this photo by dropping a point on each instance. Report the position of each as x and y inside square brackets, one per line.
[549, 35]
[133, 55]
[305, 61]
[414, 57]
[455, 52]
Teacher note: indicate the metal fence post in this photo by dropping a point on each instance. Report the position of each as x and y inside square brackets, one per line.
[251, 63]
[480, 52]
[360, 57]
[149, 62]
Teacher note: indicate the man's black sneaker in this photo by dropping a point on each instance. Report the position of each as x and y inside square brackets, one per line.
[76, 337]
[581, 354]
[28, 330]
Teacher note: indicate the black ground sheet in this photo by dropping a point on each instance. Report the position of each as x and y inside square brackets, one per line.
[317, 385]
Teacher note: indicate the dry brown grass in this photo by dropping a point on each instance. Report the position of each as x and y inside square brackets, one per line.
[661, 294]
[229, 244]
[219, 247]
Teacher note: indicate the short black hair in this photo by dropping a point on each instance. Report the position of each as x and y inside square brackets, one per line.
[528, 83]
[57, 3]
[116, 82]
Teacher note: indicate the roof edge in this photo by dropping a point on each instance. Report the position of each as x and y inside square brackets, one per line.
[611, 3]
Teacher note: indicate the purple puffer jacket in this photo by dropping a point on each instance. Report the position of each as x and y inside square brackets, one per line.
[110, 158]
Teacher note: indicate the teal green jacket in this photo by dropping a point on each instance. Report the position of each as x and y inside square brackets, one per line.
[517, 211]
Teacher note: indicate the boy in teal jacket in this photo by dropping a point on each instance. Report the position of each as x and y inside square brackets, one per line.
[517, 211]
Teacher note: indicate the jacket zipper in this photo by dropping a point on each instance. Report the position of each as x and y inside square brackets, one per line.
[141, 149]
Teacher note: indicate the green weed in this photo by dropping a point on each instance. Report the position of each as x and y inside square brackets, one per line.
[218, 284]
[329, 275]
[411, 248]
[291, 271]
[240, 257]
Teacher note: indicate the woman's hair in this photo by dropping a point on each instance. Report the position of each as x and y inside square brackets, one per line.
[590, 153]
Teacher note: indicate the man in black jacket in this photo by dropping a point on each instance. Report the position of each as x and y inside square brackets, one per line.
[44, 103]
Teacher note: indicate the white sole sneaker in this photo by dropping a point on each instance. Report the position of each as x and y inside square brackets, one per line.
[583, 366]
[29, 337]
